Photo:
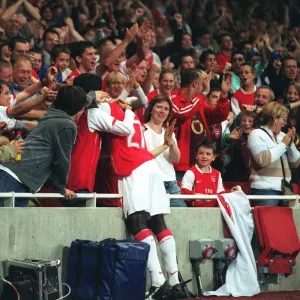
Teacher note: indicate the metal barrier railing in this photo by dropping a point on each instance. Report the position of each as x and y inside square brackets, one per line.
[9, 198]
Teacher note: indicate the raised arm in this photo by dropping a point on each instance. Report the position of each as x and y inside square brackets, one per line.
[33, 11]
[141, 50]
[36, 87]
[26, 107]
[10, 11]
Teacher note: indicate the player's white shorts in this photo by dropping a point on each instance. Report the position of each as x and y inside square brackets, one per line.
[144, 190]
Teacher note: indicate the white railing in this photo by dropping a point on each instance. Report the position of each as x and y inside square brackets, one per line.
[9, 198]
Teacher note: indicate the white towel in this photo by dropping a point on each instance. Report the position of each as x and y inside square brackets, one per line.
[241, 276]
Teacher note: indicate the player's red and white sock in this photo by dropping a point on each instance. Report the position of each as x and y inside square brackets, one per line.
[153, 265]
[167, 246]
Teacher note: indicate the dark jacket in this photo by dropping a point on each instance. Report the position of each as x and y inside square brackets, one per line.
[47, 152]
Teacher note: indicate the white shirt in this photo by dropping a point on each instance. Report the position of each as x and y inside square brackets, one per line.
[154, 140]
[11, 122]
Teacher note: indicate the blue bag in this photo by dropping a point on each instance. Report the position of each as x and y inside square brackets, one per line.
[107, 270]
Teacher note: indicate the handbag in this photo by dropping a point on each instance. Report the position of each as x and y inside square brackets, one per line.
[286, 187]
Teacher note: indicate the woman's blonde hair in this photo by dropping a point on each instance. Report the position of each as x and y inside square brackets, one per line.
[270, 111]
[115, 76]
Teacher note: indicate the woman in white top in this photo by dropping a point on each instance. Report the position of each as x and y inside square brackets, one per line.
[163, 146]
[272, 151]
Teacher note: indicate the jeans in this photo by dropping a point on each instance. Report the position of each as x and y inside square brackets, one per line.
[173, 188]
[10, 184]
[269, 202]
[76, 202]
[179, 175]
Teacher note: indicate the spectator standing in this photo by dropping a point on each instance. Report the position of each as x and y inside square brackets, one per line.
[84, 54]
[166, 152]
[50, 38]
[271, 151]
[224, 56]
[245, 95]
[237, 59]
[47, 149]
[194, 115]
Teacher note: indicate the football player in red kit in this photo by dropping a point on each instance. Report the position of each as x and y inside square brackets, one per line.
[144, 197]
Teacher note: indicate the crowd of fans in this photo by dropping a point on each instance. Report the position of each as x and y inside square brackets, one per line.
[204, 76]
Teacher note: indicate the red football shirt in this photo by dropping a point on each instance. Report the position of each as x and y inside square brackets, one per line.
[127, 152]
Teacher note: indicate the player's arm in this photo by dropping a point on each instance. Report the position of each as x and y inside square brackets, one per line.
[100, 120]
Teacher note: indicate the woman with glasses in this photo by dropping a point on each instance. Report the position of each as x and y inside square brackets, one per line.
[272, 153]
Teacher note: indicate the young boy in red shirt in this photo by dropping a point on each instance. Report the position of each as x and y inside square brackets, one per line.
[202, 178]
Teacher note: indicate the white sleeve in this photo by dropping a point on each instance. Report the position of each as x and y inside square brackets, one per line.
[123, 69]
[293, 155]
[11, 123]
[141, 99]
[138, 100]
[100, 120]
[220, 187]
[235, 107]
[124, 94]
[188, 180]
[3, 110]
[258, 146]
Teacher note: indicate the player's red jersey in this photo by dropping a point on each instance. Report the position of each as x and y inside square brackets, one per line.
[85, 156]
[127, 152]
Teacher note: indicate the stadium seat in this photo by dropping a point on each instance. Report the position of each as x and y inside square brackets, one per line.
[278, 239]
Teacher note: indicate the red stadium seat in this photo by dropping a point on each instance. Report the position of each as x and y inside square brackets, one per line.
[278, 239]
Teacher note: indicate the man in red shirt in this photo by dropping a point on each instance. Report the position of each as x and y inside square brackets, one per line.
[224, 56]
[84, 54]
[194, 115]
